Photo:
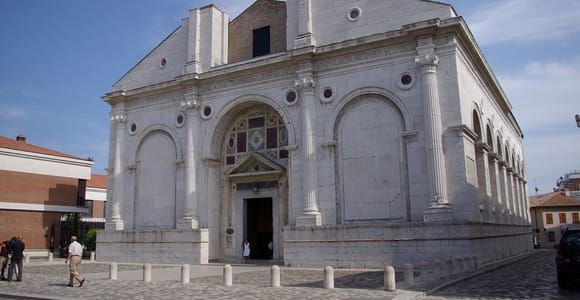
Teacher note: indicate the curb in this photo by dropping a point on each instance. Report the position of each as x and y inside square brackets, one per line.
[485, 269]
[5, 295]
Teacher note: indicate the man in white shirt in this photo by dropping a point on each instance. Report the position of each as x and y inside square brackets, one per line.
[75, 252]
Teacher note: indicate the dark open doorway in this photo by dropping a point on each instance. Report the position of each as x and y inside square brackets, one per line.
[259, 226]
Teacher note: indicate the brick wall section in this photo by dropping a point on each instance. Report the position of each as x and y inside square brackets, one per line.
[33, 226]
[262, 13]
[37, 189]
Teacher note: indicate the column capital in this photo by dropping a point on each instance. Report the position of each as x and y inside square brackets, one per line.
[191, 102]
[427, 61]
[510, 170]
[119, 117]
[306, 84]
[482, 147]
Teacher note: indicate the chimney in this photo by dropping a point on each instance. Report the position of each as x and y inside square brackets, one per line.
[21, 138]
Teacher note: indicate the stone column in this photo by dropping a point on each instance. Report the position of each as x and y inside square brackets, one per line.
[119, 121]
[510, 185]
[518, 199]
[505, 186]
[483, 180]
[310, 213]
[189, 220]
[427, 60]
[495, 181]
[526, 200]
[213, 165]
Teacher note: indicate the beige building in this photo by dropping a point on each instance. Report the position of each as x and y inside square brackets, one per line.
[550, 213]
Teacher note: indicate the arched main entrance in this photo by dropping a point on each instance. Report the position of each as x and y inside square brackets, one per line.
[254, 159]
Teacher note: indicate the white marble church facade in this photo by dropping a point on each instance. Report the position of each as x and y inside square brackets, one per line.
[365, 134]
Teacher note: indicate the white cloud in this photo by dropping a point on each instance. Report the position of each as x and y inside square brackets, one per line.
[12, 113]
[525, 20]
[545, 97]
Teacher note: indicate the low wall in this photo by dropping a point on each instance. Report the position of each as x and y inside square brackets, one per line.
[153, 246]
[380, 245]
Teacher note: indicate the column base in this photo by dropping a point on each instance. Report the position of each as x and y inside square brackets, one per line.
[187, 223]
[305, 40]
[115, 225]
[438, 212]
[310, 219]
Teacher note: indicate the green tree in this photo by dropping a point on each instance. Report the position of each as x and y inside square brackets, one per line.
[91, 239]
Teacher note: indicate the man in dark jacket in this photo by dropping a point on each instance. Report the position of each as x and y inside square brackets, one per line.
[17, 247]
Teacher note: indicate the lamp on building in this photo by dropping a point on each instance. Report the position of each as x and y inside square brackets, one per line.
[578, 120]
[255, 188]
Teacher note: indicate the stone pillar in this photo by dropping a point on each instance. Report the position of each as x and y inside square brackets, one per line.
[212, 195]
[517, 197]
[390, 283]
[185, 273]
[119, 121]
[328, 277]
[310, 213]
[512, 199]
[147, 272]
[305, 37]
[113, 271]
[526, 201]
[275, 276]
[427, 60]
[483, 180]
[496, 184]
[506, 193]
[189, 220]
[228, 275]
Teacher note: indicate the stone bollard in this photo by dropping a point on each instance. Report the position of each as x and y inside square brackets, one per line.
[408, 274]
[228, 275]
[448, 266]
[185, 273]
[328, 277]
[466, 263]
[113, 271]
[50, 257]
[390, 284]
[457, 265]
[26, 258]
[474, 262]
[426, 274]
[275, 276]
[438, 271]
[147, 272]
[93, 255]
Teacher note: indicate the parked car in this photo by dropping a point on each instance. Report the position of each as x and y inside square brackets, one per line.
[568, 256]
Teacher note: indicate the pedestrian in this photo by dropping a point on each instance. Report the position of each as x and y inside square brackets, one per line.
[4, 250]
[75, 252]
[246, 253]
[17, 246]
[271, 250]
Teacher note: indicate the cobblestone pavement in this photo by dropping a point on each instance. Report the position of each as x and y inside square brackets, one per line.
[250, 283]
[531, 278]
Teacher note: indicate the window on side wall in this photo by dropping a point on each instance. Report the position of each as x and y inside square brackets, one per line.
[549, 219]
[261, 41]
[575, 218]
[562, 217]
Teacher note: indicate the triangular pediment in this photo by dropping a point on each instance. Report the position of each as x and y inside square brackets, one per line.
[252, 164]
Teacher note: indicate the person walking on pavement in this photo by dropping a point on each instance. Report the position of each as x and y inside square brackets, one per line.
[4, 250]
[246, 253]
[75, 252]
[17, 246]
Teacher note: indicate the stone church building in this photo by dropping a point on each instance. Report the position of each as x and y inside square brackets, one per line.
[351, 133]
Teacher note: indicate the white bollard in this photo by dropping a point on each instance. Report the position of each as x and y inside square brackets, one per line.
[438, 271]
[448, 266]
[228, 275]
[26, 258]
[147, 272]
[457, 265]
[390, 284]
[113, 271]
[408, 275]
[93, 255]
[328, 277]
[275, 276]
[50, 257]
[185, 273]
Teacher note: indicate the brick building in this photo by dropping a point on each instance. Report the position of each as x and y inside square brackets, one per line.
[38, 187]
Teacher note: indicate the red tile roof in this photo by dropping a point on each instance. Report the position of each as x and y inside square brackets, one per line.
[23, 146]
[97, 181]
[553, 199]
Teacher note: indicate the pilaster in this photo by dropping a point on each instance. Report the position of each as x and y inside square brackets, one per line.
[305, 37]
[307, 85]
[119, 121]
[428, 61]
[189, 220]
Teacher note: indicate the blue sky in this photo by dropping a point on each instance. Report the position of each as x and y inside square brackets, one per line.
[57, 58]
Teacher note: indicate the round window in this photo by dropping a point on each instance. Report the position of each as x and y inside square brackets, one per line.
[406, 79]
[354, 14]
[180, 119]
[163, 63]
[327, 93]
[206, 111]
[133, 128]
[291, 97]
